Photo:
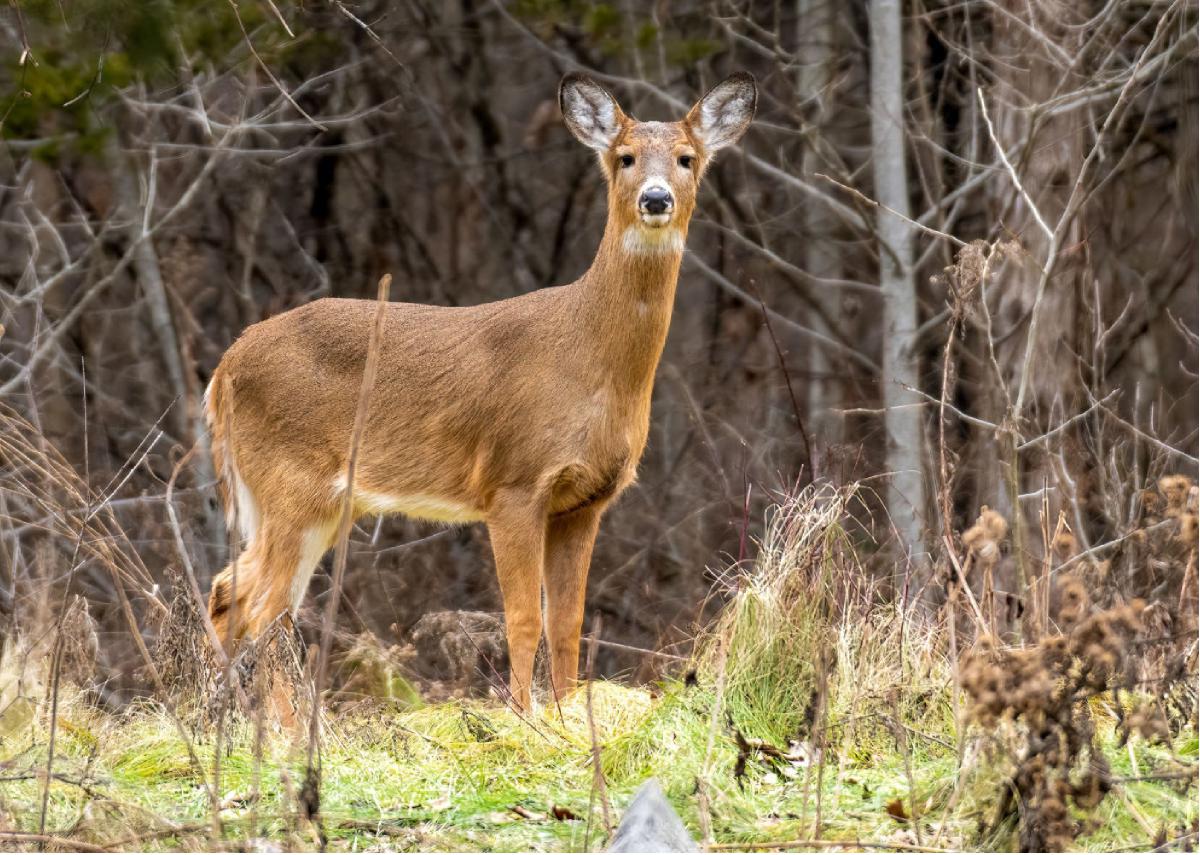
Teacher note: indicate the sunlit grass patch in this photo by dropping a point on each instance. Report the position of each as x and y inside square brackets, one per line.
[473, 774]
[812, 709]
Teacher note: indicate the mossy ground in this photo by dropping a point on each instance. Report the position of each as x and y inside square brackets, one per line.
[459, 776]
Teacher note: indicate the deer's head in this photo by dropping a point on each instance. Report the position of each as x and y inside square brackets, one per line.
[654, 168]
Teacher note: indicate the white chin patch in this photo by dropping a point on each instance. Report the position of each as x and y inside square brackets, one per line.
[655, 221]
[653, 240]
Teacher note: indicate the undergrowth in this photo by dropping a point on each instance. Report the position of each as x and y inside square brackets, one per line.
[814, 708]
[472, 775]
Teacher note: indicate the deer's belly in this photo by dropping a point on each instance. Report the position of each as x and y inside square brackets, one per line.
[421, 506]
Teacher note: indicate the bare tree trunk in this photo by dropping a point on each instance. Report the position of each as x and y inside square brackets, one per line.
[1051, 156]
[902, 419]
[149, 277]
[816, 21]
[186, 420]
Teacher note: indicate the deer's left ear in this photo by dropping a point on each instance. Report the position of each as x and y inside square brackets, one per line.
[721, 117]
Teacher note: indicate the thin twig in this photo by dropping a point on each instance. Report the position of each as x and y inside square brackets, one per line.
[282, 22]
[801, 845]
[598, 782]
[616, 645]
[266, 69]
[186, 560]
[64, 843]
[787, 378]
[59, 641]
[869, 201]
[341, 548]
[1012, 173]
[980, 623]
[1145, 437]
[1068, 422]
[1116, 541]
[705, 805]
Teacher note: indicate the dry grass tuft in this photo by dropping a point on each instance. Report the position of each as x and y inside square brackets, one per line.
[182, 653]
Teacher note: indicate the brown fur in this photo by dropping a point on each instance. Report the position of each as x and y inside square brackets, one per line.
[529, 413]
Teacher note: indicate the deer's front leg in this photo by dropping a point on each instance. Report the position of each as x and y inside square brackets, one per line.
[569, 541]
[517, 525]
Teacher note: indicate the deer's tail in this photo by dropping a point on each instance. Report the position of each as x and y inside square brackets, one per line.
[241, 508]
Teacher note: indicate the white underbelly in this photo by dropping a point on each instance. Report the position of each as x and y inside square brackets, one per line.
[416, 505]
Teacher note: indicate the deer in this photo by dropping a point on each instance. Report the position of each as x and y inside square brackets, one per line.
[529, 414]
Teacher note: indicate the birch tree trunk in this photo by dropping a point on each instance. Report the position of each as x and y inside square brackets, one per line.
[902, 419]
[816, 22]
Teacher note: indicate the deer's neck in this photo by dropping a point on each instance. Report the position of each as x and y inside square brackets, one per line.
[628, 294]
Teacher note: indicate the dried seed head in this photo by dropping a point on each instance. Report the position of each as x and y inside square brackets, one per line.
[984, 538]
[963, 277]
[1175, 489]
[1064, 544]
[1073, 601]
[996, 525]
[1152, 502]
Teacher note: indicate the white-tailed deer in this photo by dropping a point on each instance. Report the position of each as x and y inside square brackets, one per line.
[529, 414]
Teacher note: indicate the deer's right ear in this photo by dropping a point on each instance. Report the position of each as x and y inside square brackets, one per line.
[591, 114]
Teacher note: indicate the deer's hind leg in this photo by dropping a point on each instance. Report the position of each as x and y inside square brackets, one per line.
[268, 579]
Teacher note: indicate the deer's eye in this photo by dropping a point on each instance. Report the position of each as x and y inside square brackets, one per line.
[686, 161]
[626, 161]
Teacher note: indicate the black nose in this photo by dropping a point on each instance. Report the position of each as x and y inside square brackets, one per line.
[655, 200]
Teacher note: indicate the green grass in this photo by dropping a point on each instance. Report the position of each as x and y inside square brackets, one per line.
[805, 652]
[449, 777]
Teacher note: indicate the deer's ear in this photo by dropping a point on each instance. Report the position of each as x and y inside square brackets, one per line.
[591, 114]
[721, 117]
